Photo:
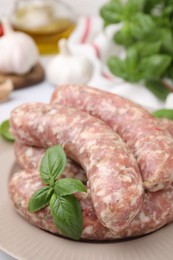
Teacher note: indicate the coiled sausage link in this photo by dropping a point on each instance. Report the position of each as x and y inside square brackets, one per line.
[166, 124]
[150, 145]
[156, 211]
[103, 155]
[30, 157]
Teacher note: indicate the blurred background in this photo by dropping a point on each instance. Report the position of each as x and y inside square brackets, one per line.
[82, 7]
[129, 45]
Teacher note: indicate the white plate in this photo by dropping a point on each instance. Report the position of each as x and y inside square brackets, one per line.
[24, 241]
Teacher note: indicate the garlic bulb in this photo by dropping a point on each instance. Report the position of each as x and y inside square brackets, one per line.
[6, 88]
[69, 68]
[18, 52]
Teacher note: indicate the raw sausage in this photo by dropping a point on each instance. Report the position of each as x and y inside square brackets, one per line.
[152, 147]
[29, 157]
[105, 158]
[86, 140]
[157, 210]
[151, 213]
[166, 124]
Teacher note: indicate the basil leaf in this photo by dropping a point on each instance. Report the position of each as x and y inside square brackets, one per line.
[132, 6]
[52, 164]
[154, 66]
[131, 63]
[139, 4]
[168, 10]
[67, 215]
[145, 49]
[116, 66]
[141, 25]
[124, 36]
[167, 41]
[150, 4]
[157, 88]
[147, 28]
[112, 12]
[68, 186]
[169, 72]
[40, 199]
[164, 113]
[126, 69]
[4, 131]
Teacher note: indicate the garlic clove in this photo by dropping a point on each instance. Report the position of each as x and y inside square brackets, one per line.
[69, 68]
[6, 88]
[18, 51]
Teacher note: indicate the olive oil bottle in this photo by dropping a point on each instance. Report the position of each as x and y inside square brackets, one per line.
[46, 21]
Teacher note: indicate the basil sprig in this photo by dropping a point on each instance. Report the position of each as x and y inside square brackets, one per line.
[164, 113]
[64, 207]
[4, 131]
[146, 33]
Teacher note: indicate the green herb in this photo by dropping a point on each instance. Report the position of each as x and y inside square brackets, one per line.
[5, 133]
[67, 215]
[40, 199]
[52, 164]
[164, 113]
[158, 89]
[68, 186]
[147, 35]
[64, 207]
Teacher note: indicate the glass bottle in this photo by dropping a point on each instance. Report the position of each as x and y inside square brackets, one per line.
[47, 21]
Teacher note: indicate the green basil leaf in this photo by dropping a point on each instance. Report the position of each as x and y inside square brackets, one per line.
[139, 4]
[40, 199]
[167, 41]
[116, 66]
[4, 131]
[68, 186]
[164, 113]
[126, 69]
[154, 66]
[142, 25]
[67, 215]
[52, 164]
[132, 7]
[131, 61]
[150, 4]
[112, 12]
[145, 49]
[157, 88]
[169, 72]
[124, 36]
[168, 10]
[147, 28]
